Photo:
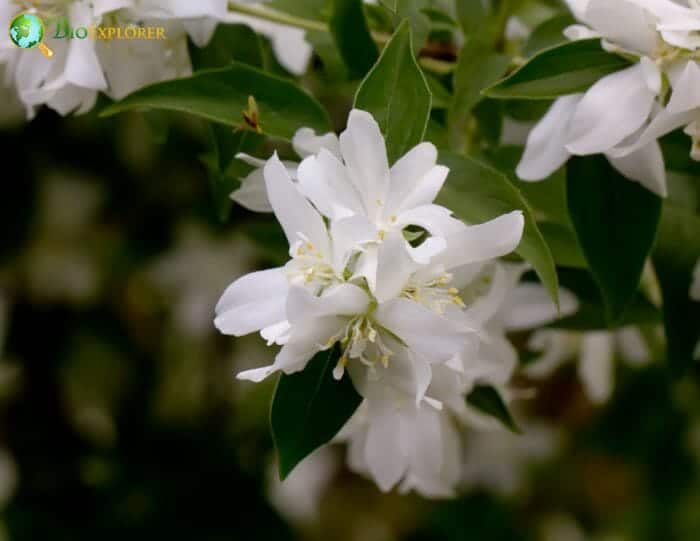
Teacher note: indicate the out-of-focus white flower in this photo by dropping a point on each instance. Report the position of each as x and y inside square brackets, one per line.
[624, 113]
[81, 68]
[194, 272]
[298, 499]
[596, 352]
[695, 287]
[498, 460]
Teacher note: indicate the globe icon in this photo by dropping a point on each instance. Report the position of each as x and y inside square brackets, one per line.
[26, 30]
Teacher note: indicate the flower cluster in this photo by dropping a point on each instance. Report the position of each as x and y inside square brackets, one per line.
[624, 113]
[413, 320]
[81, 68]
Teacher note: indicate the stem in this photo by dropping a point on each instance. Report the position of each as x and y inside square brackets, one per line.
[268, 14]
[275, 16]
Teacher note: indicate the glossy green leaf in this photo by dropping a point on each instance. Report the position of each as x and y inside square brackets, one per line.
[675, 254]
[563, 69]
[590, 315]
[352, 37]
[397, 94]
[224, 170]
[478, 193]
[230, 42]
[309, 408]
[221, 96]
[615, 221]
[489, 401]
[478, 67]
[548, 34]
[563, 245]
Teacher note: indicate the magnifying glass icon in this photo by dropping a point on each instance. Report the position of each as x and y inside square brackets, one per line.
[27, 32]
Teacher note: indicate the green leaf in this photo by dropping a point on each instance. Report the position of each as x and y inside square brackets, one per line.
[472, 15]
[548, 34]
[221, 96]
[230, 42]
[590, 315]
[675, 254]
[477, 69]
[489, 402]
[615, 221]
[478, 193]
[355, 43]
[563, 244]
[563, 69]
[441, 95]
[309, 408]
[396, 93]
[224, 170]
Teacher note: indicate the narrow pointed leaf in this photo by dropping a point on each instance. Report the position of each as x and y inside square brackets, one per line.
[488, 401]
[352, 37]
[396, 93]
[563, 69]
[615, 221]
[221, 96]
[309, 408]
[478, 193]
[676, 252]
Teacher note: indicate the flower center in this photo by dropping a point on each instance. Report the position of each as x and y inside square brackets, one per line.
[436, 295]
[362, 339]
[308, 267]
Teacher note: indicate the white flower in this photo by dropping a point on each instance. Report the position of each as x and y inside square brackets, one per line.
[408, 340]
[252, 194]
[622, 115]
[392, 439]
[317, 298]
[695, 287]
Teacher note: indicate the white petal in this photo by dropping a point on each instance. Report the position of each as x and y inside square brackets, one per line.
[385, 458]
[364, 152]
[596, 368]
[394, 267]
[304, 342]
[500, 296]
[435, 219]
[556, 347]
[686, 91]
[645, 166]
[414, 172]
[350, 235]
[342, 299]
[545, 151]
[306, 143]
[252, 193]
[695, 287]
[252, 302]
[613, 108]
[623, 23]
[293, 211]
[423, 331]
[662, 123]
[323, 179]
[489, 240]
[530, 306]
